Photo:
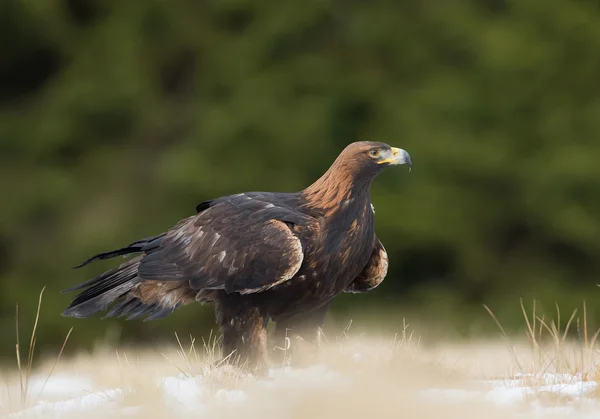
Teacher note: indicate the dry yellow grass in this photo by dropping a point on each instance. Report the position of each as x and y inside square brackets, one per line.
[383, 379]
[357, 376]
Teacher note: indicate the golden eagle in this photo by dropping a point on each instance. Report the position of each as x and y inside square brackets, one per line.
[258, 256]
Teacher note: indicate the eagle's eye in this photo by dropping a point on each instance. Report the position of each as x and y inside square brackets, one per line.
[374, 153]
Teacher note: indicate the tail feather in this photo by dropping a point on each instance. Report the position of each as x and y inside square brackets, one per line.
[162, 312]
[107, 279]
[142, 245]
[104, 289]
[143, 309]
[123, 307]
[97, 304]
[129, 296]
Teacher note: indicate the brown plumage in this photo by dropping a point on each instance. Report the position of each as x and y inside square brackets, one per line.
[258, 256]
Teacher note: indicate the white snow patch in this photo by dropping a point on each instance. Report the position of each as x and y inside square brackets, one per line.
[231, 396]
[511, 392]
[56, 409]
[559, 384]
[314, 376]
[59, 386]
[183, 392]
[186, 393]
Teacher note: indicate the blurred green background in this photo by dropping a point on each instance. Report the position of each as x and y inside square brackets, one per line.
[118, 117]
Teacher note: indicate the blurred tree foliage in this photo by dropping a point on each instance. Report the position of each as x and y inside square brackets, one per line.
[118, 117]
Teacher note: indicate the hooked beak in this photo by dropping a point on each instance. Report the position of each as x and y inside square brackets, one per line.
[397, 156]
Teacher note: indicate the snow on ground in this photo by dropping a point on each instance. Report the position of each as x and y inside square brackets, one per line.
[519, 388]
[180, 392]
[56, 409]
[64, 394]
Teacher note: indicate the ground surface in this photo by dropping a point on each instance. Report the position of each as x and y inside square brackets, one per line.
[351, 377]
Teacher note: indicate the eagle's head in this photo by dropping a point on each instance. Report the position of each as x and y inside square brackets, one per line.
[368, 158]
[351, 174]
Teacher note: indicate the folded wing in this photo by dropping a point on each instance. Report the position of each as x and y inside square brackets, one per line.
[373, 273]
[239, 245]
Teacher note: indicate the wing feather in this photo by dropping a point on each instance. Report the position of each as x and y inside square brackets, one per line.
[240, 245]
[373, 273]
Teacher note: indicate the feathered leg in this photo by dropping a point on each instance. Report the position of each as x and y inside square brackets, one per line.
[244, 331]
[300, 330]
